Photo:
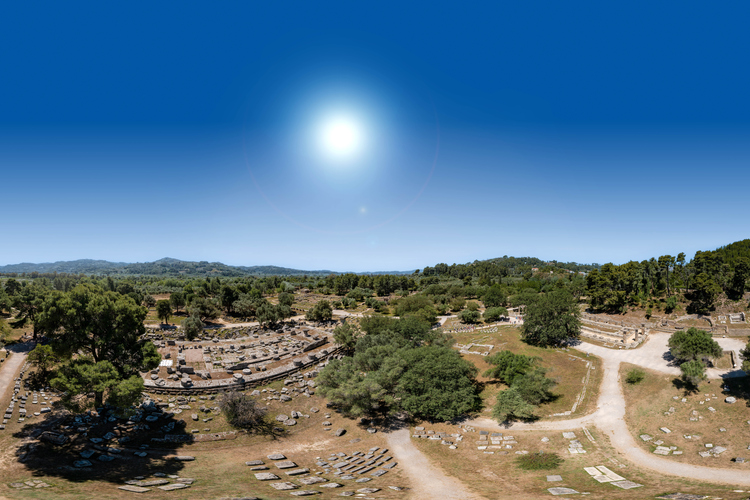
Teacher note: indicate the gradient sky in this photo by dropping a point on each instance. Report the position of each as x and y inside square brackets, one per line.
[589, 132]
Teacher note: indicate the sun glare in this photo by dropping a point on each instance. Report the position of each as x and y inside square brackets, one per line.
[341, 137]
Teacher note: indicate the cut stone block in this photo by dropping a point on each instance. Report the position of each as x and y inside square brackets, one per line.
[304, 493]
[297, 472]
[276, 456]
[288, 464]
[562, 491]
[554, 478]
[309, 481]
[133, 489]
[255, 462]
[266, 476]
[626, 485]
[284, 486]
[175, 486]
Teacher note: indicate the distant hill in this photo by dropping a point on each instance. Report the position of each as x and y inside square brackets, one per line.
[162, 267]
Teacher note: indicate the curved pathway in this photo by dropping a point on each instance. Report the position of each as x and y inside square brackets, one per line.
[610, 414]
[426, 479]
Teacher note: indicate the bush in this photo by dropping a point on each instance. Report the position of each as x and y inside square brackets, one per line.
[635, 376]
[242, 412]
[539, 461]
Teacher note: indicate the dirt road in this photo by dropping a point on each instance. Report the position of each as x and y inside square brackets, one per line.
[427, 480]
[610, 414]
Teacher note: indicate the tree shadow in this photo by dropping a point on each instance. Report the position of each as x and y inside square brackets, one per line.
[686, 387]
[670, 359]
[736, 384]
[102, 446]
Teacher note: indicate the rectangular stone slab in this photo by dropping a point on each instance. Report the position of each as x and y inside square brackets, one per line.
[133, 489]
[285, 465]
[284, 486]
[626, 485]
[266, 476]
[609, 473]
[175, 486]
[562, 491]
[297, 472]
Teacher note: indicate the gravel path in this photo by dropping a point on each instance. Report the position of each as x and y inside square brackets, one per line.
[10, 366]
[610, 414]
[427, 480]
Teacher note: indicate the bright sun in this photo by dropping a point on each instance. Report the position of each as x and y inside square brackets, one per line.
[341, 137]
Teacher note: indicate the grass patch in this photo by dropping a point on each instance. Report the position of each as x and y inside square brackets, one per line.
[539, 461]
[635, 376]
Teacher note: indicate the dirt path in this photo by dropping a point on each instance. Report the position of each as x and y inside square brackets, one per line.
[610, 414]
[10, 366]
[427, 480]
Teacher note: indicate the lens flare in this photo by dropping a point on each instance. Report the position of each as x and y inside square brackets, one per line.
[341, 137]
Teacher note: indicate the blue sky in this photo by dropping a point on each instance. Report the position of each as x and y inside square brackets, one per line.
[591, 132]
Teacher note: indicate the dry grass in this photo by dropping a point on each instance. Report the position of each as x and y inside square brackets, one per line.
[648, 401]
[219, 467]
[568, 368]
[498, 476]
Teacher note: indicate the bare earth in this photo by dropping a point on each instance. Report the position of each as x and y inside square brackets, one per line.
[610, 414]
[426, 478]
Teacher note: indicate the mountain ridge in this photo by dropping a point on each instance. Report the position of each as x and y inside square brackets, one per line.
[165, 266]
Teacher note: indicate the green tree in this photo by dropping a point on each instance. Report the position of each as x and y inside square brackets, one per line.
[457, 304]
[149, 301]
[508, 366]
[534, 387]
[693, 372]
[739, 278]
[79, 377]
[29, 300]
[321, 311]
[745, 354]
[552, 319]
[494, 314]
[192, 326]
[5, 301]
[247, 306]
[469, 316]
[204, 308]
[437, 384]
[4, 332]
[693, 344]
[177, 300]
[227, 296]
[268, 314]
[164, 310]
[494, 297]
[511, 405]
[346, 336]
[104, 325]
[43, 357]
[704, 294]
[286, 299]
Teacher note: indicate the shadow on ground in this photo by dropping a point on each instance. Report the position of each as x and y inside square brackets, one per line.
[102, 447]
